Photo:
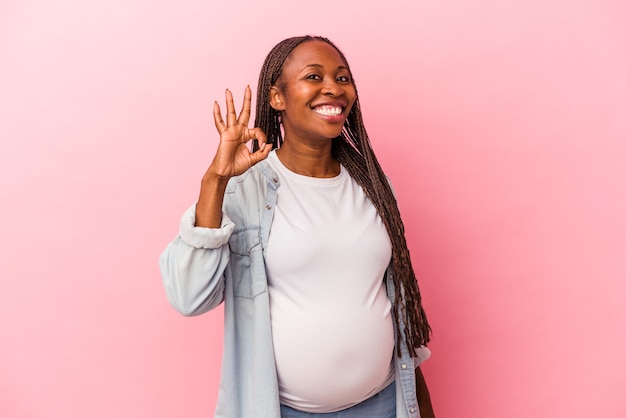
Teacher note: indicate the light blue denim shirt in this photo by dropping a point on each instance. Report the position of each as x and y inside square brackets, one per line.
[203, 267]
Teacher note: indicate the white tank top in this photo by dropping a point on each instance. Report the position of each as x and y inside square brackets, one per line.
[331, 318]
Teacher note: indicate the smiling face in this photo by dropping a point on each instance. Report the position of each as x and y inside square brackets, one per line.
[314, 93]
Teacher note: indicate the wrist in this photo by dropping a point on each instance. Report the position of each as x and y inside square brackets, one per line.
[214, 181]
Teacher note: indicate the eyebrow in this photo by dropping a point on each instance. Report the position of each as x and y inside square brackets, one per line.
[341, 67]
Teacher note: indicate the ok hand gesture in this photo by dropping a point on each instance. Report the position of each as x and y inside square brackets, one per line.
[233, 156]
[231, 159]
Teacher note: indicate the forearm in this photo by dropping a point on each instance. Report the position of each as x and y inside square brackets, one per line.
[192, 266]
[209, 206]
[193, 277]
[423, 396]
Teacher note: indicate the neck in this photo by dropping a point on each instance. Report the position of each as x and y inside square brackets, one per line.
[309, 160]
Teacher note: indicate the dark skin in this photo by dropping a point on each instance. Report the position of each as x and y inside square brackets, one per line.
[314, 95]
[232, 158]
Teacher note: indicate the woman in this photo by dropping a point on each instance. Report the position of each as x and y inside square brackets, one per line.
[302, 240]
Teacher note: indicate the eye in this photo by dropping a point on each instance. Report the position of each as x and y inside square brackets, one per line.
[343, 79]
[313, 77]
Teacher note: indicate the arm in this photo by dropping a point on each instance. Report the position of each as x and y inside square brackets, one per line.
[423, 396]
[231, 159]
[193, 265]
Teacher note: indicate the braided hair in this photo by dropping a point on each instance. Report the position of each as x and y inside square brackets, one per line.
[353, 150]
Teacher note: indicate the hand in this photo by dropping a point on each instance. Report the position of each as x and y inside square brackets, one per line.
[233, 157]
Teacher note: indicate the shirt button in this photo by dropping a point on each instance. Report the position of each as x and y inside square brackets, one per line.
[411, 410]
[268, 207]
[275, 180]
[403, 366]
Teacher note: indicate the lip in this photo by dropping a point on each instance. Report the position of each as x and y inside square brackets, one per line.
[334, 103]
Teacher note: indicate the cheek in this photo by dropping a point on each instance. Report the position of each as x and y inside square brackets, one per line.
[352, 95]
[352, 100]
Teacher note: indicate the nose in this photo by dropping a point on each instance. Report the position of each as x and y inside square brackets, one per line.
[332, 88]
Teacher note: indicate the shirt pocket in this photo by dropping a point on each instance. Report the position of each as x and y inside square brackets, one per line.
[246, 259]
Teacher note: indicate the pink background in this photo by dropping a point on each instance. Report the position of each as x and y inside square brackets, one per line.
[501, 123]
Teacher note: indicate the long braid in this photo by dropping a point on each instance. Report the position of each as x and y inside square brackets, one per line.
[354, 151]
[268, 118]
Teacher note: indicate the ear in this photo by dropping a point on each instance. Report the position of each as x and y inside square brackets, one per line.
[276, 99]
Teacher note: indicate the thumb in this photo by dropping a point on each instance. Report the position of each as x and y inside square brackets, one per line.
[261, 153]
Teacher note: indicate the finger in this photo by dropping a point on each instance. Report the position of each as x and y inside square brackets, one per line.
[264, 148]
[231, 116]
[258, 134]
[261, 154]
[244, 116]
[217, 116]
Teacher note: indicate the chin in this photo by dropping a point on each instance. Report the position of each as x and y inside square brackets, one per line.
[334, 133]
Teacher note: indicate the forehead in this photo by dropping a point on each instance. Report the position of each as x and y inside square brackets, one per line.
[313, 53]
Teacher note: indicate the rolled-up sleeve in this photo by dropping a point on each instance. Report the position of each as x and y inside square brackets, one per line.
[422, 353]
[193, 265]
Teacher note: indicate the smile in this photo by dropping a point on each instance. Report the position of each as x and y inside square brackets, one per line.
[328, 110]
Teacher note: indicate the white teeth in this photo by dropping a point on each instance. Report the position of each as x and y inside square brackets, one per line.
[328, 110]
